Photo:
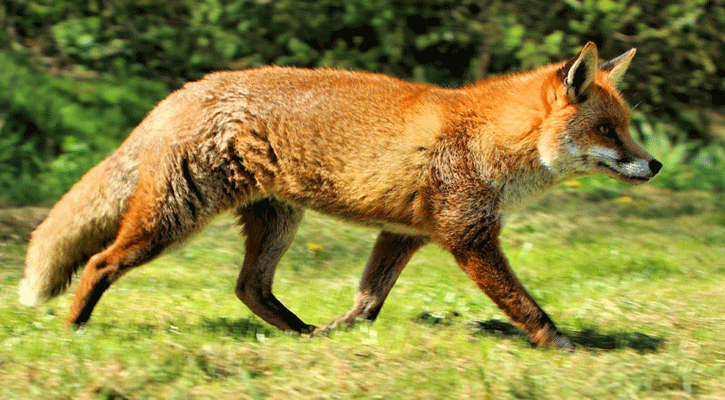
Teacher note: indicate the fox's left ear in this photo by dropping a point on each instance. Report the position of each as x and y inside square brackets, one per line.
[579, 73]
[618, 66]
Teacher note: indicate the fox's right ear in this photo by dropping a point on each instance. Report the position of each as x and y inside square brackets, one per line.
[579, 73]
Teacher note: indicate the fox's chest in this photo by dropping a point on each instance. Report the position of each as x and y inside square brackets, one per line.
[519, 190]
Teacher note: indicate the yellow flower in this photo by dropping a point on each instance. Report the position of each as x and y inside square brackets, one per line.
[624, 199]
[572, 183]
[314, 246]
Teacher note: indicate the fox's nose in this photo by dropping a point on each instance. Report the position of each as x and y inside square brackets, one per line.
[655, 166]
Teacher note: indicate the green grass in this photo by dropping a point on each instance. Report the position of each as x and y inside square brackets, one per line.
[634, 275]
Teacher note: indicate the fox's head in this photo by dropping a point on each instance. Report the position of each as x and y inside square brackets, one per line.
[593, 133]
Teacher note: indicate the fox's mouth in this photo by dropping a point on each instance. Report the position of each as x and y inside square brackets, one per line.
[617, 174]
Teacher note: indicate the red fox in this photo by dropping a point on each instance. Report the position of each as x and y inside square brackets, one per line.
[421, 163]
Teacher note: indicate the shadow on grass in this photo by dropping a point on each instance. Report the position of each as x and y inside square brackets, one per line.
[238, 328]
[639, 342]
[589, 338]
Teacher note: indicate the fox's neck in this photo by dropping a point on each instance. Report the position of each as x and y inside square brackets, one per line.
[510, 112]
[516, 104]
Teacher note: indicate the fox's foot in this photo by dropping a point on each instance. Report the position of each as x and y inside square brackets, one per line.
[75, 328]
[304, 330]
[552, 338]
[344, 322]
[562, 342]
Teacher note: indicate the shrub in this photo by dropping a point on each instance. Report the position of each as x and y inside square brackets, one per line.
[99, 66]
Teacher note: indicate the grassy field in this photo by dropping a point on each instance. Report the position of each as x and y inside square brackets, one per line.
[636, 276]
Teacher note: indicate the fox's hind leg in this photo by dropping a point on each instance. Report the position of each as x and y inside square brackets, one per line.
[164, 210]
[270, 226]
[390, 255]
[145, 231]
[102, 270]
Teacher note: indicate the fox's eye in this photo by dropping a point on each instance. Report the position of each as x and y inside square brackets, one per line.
[607, 130]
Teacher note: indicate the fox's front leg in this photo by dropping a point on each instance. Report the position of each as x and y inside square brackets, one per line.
[390, 255]
[479, 254]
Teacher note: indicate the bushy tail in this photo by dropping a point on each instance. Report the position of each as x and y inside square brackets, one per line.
[82, 223]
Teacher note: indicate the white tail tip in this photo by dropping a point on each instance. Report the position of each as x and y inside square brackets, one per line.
[28, 295]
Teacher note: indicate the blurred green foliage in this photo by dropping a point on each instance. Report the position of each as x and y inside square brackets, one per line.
[77, 75]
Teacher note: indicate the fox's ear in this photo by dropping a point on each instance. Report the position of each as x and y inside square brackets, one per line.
[579, 73]
[618, 66]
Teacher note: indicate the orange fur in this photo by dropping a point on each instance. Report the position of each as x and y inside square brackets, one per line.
[420, 162]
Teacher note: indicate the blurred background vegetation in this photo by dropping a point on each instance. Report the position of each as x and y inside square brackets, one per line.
[77, 75]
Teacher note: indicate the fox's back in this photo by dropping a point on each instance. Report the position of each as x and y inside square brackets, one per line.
[323, 103]
[349, 143]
